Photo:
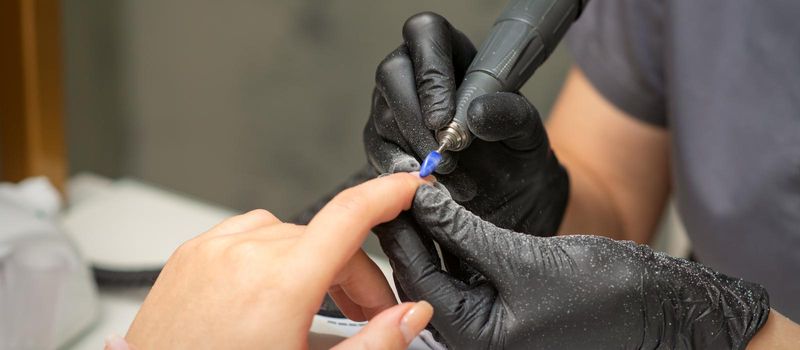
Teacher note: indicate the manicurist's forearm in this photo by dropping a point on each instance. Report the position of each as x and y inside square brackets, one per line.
[778, 333]
[618, 166]
[589, 208]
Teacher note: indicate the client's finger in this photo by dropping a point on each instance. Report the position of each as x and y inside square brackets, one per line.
[360, 290]
[394, 328]
[349, 308]
[245, 222]
[338, 230]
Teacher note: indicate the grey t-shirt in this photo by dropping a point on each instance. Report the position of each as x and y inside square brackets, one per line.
[724, 77]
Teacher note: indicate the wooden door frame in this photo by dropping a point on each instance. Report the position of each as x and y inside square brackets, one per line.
[31, 91]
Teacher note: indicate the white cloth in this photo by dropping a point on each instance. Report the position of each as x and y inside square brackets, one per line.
[47, 295]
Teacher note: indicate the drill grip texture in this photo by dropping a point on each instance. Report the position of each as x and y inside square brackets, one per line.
[522, 38]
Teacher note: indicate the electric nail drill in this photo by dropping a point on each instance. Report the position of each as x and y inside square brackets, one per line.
[522, 38]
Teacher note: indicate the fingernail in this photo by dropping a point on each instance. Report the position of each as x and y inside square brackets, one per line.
[415, 320]
[428, 179]
[115, 342]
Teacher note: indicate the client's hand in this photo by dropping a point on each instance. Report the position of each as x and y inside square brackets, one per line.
[568, 292]
[255, 282]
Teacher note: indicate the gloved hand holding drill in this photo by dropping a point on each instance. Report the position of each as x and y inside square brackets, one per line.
[509, 175]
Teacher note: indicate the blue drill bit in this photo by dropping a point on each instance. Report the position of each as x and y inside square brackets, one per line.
[430, 163]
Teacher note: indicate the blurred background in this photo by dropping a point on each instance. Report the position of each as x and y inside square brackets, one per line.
[249, 104]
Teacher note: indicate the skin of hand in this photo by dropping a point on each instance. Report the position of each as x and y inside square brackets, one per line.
[253, 281]
[508, 175]
[565, 292]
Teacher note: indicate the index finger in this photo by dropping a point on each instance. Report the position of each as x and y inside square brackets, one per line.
[338, 230]
[440, 54]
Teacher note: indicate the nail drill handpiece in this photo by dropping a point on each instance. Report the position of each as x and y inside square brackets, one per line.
[522, 38]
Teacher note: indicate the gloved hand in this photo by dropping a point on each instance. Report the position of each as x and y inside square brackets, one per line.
[568, 292]
[509, 175]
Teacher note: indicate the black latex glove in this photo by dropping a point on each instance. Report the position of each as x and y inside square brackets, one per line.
[569, 292]
[509, 175]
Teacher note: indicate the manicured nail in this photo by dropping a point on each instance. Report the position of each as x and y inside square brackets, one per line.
[415, 320]
[428, 179]
[115, 342]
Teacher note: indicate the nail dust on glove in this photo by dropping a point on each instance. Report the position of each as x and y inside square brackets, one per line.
[568, 292]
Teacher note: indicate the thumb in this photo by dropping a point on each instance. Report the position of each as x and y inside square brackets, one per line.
[506, 117]
[394, 328]
[477, 242]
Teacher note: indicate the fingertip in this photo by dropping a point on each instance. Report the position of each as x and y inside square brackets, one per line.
[415, 319]
[406, 184]
[345, 220]
[480, 122]
[384, 331]
[413, 178]
[501, 116]
[375, 311]
[430, 179]
[438, 116]
[422, 23]
[427, 310]
[426, 179]
[397, 61]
